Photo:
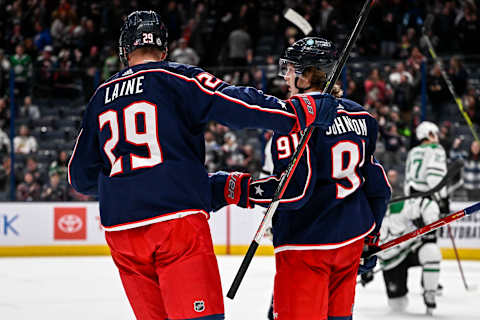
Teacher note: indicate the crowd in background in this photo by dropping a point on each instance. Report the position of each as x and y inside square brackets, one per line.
[60, 50]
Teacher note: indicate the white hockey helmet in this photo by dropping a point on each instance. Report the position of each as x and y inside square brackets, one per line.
[426, 128]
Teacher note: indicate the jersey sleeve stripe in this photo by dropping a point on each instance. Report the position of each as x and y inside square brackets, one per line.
[209, 92]
[307, 184]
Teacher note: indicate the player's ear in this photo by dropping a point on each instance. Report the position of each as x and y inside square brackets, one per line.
[164, 54]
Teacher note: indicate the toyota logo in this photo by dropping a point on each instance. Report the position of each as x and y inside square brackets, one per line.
[70, 223]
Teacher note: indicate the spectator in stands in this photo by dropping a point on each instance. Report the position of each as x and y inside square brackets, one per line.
[437, 93]
[4, 143]
[402, 84]
[59, 28]
[213, 152]
[443, 26]
[471, 172]
[468, 29]
[239, 47]
[458, 151]
[111, 64]
[5, 170]
[4, 114]
[64, 77]
[91, 36]
[24, 142]
[44, 72]
[4, 72]
[403, 48]
[445, 136]
[29, 189]
[375, 88]
[394, 145]
[29, 110]
[59, 165]
[458, 75]
[395, 77]
[354, 92]
[470, 104]
[31, 166]
[388, 35]
[54, 190]
[42, 38]
[22, 68]
[16, 38]
[415, 61]
[184, 54]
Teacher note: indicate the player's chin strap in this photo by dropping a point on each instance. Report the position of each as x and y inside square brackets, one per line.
[300, 90]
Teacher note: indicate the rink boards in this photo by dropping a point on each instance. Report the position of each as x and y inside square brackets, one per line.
[73, 228]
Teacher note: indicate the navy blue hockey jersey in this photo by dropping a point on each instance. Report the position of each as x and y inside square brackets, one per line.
[141, 146]
[338, 193]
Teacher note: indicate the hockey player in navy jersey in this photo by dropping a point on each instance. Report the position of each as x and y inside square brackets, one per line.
[141, 151]
[334, 204]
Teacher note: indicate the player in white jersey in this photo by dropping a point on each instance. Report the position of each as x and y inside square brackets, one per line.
[425, 167]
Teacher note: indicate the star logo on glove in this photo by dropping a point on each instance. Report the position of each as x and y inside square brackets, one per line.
[258, 190]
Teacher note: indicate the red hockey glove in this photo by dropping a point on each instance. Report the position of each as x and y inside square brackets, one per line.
[230, 188]
[318, 110]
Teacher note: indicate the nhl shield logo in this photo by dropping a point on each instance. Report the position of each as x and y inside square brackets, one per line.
[199, 306]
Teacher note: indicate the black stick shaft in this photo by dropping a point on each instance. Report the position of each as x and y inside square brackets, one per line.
[242, 270]
[362, 18]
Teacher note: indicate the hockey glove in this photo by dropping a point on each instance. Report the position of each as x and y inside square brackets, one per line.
[368, 263]
[230, 188]
[444, 206]
[319, 110]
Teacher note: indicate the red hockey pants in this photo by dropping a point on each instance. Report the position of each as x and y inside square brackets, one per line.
[316, 284]
[169, 269]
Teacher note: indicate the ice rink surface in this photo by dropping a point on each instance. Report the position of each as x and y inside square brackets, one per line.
[89, 288]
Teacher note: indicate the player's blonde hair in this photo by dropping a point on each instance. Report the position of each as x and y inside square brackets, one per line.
[318, 80]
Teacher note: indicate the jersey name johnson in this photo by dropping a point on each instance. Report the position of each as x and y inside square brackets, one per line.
[346, 124]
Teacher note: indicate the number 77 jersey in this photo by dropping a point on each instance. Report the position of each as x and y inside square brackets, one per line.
[338, 193]
[141, 148]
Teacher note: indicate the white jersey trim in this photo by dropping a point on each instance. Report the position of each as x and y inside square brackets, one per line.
[327, 246]
[164, 217]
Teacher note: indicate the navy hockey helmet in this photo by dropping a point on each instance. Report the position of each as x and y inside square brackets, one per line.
[308, 52]
[141, 29]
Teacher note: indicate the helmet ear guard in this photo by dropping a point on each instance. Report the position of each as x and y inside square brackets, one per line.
[141, 29]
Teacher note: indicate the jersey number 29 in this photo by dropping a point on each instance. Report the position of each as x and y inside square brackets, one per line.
[147, 137]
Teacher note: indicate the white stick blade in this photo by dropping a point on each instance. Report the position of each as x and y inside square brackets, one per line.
[299, 21]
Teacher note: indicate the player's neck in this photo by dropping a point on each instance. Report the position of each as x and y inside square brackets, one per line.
[135, 59]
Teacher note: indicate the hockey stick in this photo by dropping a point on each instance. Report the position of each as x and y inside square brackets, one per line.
[298, 20]
[426, 28]
[429, 227]
[452, 171]
[307, 133]
[450, 235]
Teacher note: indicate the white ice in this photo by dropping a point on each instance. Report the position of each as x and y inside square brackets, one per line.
[77, 288]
